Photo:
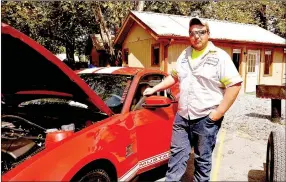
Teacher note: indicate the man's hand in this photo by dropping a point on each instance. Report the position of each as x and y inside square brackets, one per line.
[166, 83]
[215, 115]
[149, 91]
[228, 99]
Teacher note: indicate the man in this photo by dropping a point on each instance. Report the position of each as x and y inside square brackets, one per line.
[209, 84]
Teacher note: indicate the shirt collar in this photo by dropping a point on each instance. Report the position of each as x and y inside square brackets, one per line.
[211, 47]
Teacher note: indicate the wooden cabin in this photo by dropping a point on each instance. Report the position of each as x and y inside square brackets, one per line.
[155, 40]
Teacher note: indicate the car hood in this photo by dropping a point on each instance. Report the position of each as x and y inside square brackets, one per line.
[28, 67]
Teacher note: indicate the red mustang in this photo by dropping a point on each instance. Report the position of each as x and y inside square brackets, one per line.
[93, 124]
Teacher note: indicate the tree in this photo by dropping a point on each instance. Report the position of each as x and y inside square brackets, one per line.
[28, 17]
[276, 17]
[70, 23]
[56, 24]
[53, 24]
[110, 16]
[104, 31]
[267, 14]
[175, 7]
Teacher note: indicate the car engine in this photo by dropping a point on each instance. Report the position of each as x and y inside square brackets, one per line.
[20, 139]
[28, 127]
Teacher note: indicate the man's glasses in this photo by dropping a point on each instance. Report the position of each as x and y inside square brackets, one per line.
[199, 33]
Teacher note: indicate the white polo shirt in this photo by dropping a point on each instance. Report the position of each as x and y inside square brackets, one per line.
[203, 81]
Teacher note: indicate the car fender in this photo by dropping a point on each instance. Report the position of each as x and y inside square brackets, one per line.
[66, 158]
[89, 159]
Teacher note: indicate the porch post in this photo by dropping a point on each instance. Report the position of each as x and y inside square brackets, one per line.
[275, 110]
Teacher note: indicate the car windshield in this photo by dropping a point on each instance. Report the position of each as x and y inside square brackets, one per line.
[111, 88]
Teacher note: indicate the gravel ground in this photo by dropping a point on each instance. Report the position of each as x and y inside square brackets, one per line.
[252, 116]
[248, 125]
[242, 157]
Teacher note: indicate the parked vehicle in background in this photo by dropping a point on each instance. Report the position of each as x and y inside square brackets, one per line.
[92, 124]
[276, 146]
[276, 156]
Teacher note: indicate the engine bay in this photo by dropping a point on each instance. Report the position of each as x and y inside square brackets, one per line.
[27, 127]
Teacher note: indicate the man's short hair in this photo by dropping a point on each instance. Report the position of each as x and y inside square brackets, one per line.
[198, 21]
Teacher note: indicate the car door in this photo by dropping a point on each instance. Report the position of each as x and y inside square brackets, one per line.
[154, 130]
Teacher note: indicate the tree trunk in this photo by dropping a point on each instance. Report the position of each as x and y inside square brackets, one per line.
[140, 6]
[70, 52]
[103, 37]
[262, 16]
[103, 29]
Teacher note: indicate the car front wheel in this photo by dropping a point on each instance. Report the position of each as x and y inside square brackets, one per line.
[96, 175]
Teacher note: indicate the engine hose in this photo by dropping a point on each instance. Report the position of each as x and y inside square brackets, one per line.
[23, 119]
[21, 136]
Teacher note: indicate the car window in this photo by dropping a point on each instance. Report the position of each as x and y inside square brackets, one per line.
[111, 88]
[145, 82]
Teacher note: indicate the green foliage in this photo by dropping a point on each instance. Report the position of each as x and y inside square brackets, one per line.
[175, 7]
[249, 12]
[52, 24]
[57, 24]
[26, 16]
[276, 15]
[236, 11]
[70, 23]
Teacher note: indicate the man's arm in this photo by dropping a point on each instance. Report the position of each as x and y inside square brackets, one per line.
[166, 83]
[228, 99]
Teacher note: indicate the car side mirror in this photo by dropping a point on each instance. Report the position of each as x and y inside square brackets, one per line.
[153, 102]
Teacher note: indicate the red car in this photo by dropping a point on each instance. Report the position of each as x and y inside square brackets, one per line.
[92, 124]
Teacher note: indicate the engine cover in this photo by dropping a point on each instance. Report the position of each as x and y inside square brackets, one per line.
[16, 147]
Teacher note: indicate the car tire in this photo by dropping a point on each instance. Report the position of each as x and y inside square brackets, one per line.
[96, 175]
[275, 157]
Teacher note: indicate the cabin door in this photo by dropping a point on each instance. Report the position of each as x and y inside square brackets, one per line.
[252, 70]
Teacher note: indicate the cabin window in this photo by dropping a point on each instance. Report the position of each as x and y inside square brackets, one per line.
[268, 59]
[125, 55]
[155, 55]
[236, 55]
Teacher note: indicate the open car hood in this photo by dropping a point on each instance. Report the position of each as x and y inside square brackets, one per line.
[28, 67]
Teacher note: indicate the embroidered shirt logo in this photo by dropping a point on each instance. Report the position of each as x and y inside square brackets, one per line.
[211, 61]
[185, 60]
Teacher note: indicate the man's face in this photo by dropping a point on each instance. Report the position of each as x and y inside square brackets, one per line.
[199, 36]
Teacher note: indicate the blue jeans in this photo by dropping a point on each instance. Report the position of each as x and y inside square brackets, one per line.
[199, 133]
